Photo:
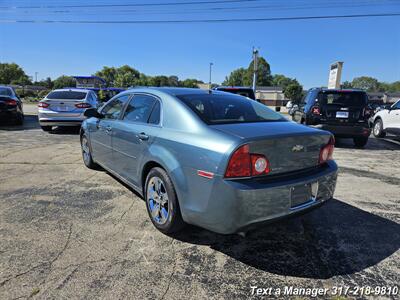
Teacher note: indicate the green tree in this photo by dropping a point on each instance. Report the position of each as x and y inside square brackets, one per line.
[366, 83]
[11, 73]
[264, 77]
[190, 83]
[294, 92]
[173, 81]
[346, 85]
[108, 74]
[244, 77]
[282, 81]
[238, 77]
[64, 81]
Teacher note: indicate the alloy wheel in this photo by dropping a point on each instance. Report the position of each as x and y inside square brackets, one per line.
[157, 200]
[85, 150]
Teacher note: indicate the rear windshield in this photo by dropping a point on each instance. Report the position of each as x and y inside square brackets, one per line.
[226, 109]
[242, 92]
[72, 95]
[5, 92]
[343, 98]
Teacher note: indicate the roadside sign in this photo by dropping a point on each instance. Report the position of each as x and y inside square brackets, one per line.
[335, 75]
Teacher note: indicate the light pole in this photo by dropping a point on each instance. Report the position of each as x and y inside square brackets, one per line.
[36, 76]
[209, 84]
[255, 65]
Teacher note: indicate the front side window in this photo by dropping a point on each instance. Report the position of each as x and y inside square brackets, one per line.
[139, 108]
[224, 109]
[113, 109]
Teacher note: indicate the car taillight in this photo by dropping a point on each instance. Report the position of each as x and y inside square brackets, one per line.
[43, 105]
[326, 152]
[315, 110]
[245, 164]
[83, 105]
[10, 102]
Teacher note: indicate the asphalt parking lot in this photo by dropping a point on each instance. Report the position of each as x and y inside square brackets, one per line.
[70, 232]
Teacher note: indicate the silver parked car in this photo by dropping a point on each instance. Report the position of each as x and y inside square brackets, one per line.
[209, 158]
[65, 107]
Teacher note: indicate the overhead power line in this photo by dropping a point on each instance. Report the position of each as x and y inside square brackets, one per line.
[128, 5]
[397, 14]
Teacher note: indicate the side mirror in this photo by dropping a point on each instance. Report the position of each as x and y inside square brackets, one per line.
[92, 113]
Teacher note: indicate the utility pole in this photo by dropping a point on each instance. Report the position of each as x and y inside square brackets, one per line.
[36, 76]
[209, 84]
[255, 65]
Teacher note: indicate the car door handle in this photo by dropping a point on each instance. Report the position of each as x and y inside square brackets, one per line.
[142, 136]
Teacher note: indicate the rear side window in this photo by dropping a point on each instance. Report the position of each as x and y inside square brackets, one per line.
[224, 109]
[67, 95]
[139, 108]
[343, 98]
[155, 114]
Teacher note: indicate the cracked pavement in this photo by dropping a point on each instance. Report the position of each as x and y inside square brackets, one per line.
[68, 232]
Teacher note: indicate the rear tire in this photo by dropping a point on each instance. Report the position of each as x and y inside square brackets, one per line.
[360, 142]
[162, 203]
[19, 120]
[378, 129]
[46, 128]
[87, 153]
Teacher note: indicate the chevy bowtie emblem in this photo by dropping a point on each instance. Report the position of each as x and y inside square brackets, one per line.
[297, 148]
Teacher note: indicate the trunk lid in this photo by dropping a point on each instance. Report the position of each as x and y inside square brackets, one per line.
[287, 146]
[63, 105]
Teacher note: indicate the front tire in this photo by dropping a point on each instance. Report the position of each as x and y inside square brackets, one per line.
[162, 203]
[87, 154]
[378, 129]
[360, 142]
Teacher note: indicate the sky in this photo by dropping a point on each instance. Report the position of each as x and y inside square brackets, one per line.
[302, 49]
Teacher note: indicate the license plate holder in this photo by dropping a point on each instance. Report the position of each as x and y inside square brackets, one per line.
[62, 108]
[301, 194]
[342, 114]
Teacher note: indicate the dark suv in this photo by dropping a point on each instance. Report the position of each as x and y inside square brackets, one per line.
[345, 113]
[239, 90]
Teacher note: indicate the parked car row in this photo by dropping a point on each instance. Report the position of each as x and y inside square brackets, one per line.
[11, 107]
[215, 158]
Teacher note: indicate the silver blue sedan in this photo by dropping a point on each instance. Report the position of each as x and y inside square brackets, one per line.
[209, 158]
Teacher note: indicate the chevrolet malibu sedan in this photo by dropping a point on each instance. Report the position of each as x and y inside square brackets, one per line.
[65, 107]
[209, 158]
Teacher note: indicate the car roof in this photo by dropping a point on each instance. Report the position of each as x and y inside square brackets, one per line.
[6, 87]
[338, 90]
[71, 90]
[233, 87]
[173, 91]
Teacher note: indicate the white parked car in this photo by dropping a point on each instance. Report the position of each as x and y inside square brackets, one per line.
[65, 107]
[387, 121]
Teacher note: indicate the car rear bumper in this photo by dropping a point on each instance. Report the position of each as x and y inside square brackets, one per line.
[348, 131]
[64, 119]
[60, 122]
[8, 113]
[234, 205]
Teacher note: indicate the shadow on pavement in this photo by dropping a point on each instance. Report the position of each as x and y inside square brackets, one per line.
[336, 239]
[373, 144]
[30, 122]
